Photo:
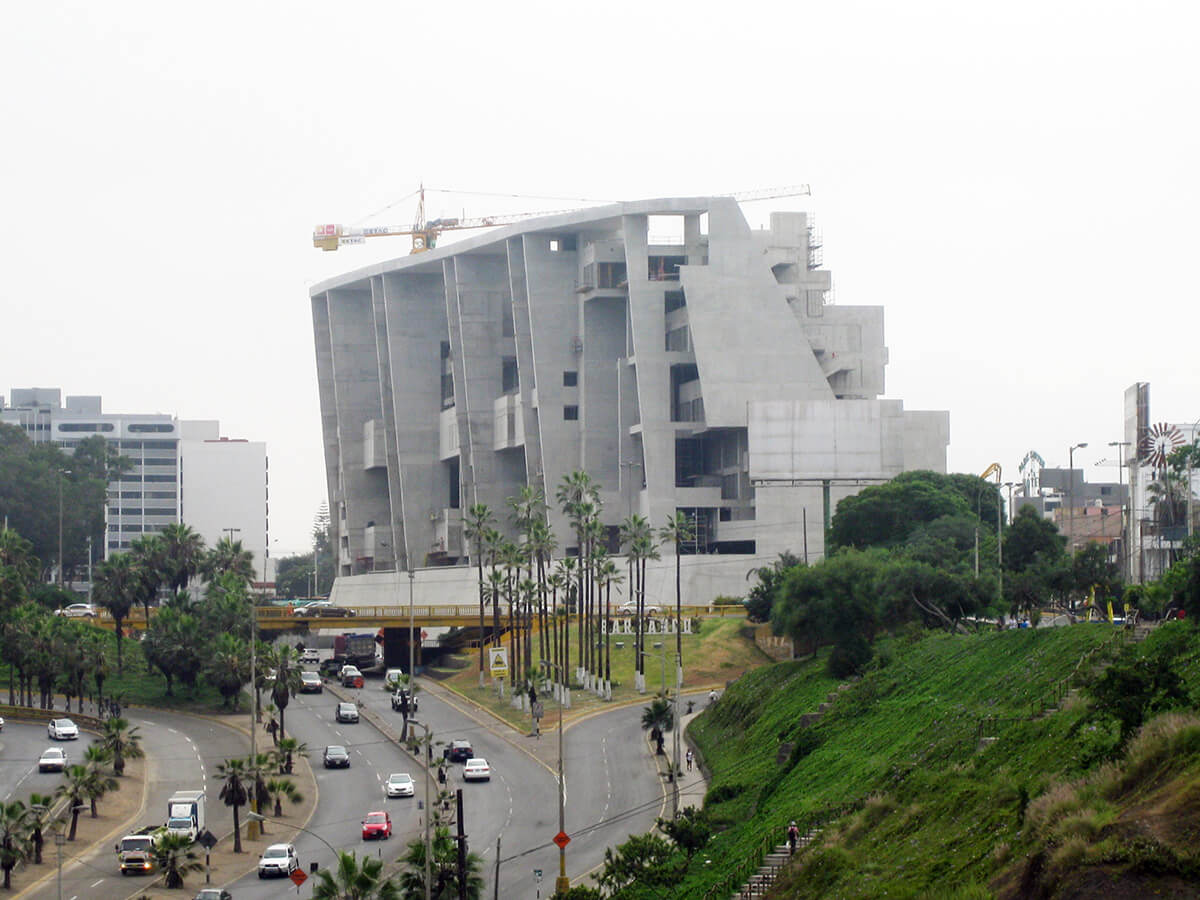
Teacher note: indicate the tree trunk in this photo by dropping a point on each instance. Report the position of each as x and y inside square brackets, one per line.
[237, 831]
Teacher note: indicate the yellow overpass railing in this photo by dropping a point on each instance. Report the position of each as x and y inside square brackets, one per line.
[280, 617]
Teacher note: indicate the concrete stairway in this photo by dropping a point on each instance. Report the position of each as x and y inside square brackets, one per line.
[762, 881]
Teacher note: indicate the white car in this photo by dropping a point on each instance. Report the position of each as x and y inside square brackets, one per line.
[278, 859]
[393, 678]
[53, 760]
[310, 657]
[399, 784]
[477, 769]
[77, 610]
[62, 730]
[629, 608]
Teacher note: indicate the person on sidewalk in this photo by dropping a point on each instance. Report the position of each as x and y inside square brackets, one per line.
[689, 759]
[793, 836]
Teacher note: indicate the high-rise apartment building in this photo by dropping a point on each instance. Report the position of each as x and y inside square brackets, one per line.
[179, 471]
[683, 360]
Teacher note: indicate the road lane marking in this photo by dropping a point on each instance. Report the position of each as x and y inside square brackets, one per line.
[94, 883]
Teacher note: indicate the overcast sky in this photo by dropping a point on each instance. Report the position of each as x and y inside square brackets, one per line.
[1016, 184]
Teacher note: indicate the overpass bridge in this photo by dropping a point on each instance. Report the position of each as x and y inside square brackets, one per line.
[347, 618]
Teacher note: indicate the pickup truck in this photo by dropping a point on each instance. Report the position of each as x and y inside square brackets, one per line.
[398, 700]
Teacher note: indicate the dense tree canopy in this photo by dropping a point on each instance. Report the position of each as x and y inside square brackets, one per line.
[31, 476]
[886, 515]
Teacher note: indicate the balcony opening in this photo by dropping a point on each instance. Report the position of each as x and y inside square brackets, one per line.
[665, 268]
[509, 379]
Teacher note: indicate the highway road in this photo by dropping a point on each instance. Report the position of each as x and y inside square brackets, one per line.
[612, 790]
[183, 752]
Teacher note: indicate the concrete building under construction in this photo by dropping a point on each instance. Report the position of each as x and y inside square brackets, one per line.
[687, 362]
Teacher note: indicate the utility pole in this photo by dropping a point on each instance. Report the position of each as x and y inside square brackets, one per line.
[562, 883]
[428, 809]
[61, 475]
[462, 890]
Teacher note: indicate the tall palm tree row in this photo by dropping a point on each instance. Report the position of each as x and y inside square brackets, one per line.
[678, 530]
[476, 522]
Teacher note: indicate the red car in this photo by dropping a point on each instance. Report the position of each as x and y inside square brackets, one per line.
[377, 825]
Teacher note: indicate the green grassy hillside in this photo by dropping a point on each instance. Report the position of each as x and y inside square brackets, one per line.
[917, 804]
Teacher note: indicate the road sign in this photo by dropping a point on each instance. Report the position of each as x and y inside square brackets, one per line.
[298, 877]
[562, 839]
[537, 873]
[206, 839]
[498, 661]
[538, 710]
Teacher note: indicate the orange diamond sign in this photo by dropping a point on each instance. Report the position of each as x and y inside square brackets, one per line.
[298, 877]
[562, 839]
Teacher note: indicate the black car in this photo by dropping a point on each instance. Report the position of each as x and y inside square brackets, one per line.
[458, 751]
[330, 666]
[346, 712]
[336, 757]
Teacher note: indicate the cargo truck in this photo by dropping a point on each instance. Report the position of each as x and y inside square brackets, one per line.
[135, 852]
[354, 650]
[185, 813]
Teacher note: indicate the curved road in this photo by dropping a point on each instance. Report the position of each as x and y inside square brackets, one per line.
[182, 753]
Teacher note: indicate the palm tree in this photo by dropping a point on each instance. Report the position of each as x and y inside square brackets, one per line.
[635, 535]
[14, 838]
[228, 667]
[175, 858]
[258, 770]
[279, 789]
[185, 551]
[121, 742]
[40, 817]
[151, 561]
[283, 754]
[75, 789]
[475, 523]
[658, 718]
[678, 529]
[98, 784]
[115, 589]
[443, 869]
[493, 542]
[287, 682]
[234, 793]
[494, 590]
[229, 557]
[608, 575]
[355, 880]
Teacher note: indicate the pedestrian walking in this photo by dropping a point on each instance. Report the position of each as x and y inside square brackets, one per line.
[793, 835]
[689, 759]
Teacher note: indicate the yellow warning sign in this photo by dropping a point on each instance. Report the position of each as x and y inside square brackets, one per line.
[498, 661]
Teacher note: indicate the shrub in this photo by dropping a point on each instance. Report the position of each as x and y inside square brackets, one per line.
[849, 655]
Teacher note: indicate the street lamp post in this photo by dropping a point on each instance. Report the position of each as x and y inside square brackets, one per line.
[563, 883]
[252, 825]
[59, 840]
[1071, 495]
[428, 809]
[1121, 445]
[662, 653]
[1191, 451]
[61, 475]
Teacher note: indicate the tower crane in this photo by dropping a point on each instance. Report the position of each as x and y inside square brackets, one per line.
[424, 233]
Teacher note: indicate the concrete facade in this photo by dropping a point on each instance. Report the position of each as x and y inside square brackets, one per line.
[709, 375]
[224, 485]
